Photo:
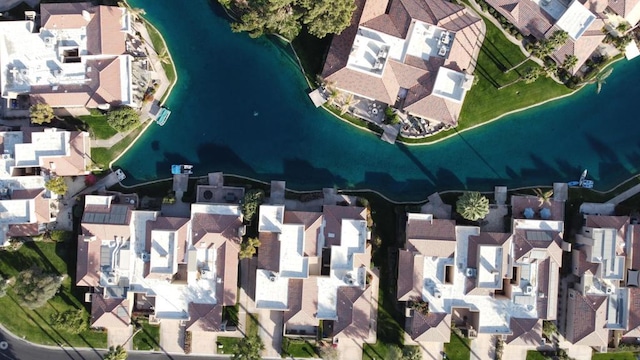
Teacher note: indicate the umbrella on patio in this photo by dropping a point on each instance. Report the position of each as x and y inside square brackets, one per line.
[545, 213]
[528, 213]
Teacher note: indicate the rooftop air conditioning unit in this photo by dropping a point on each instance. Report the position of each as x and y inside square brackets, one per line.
[528, 290]
[610, 290]
[111, 280]
[272, 277]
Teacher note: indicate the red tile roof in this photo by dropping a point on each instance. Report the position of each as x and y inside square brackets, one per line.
[333, 216]
[303, 302]
[65, 15]
[312, 222]
[587, 317]
[204, 317]
[208, 229]
[525, 332]
[410, 275]
[76, 162]
[269, 252]
[634, 312]
[109, 313]
[527, 16]
[434, 327]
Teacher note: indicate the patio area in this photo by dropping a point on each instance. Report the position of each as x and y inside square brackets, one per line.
[414, 127]
[369, 110]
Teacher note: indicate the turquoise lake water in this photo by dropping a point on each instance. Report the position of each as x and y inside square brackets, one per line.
[226, 78]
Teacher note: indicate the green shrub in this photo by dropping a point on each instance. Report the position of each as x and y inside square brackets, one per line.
[71, 321]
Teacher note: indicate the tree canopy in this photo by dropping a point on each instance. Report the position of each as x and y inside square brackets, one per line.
[56, 185]
[248, 248]
[116, 353]
[34, 288]
[252, 200]
[71, 321]
[286, 17]
[123, 118]
[249, 348]
[41, 113]
[472, 206]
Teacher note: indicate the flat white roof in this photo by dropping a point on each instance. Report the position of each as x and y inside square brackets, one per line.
[327, 297]
[576, 20]
[368, 55]
[103, 200]
[631, 51]
[17, 211]
[163, 252]
[552, 7]
[293, 263]
[271, 218]
[544, 225]
[272, 290]
[353, 236]
[451, 84]
[490, 266]
[51, 142]
[216, 209]
[426, 40]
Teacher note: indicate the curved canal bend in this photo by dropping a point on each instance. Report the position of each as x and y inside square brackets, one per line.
[240, 107]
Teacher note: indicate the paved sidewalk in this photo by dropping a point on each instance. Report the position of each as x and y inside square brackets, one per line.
[625, 195]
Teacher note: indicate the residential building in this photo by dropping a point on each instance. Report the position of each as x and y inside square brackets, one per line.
[314, 267]
[75, 56]
[606, 258]
[493, 283]
[417, 56]
[583, 21]
[180, 271]
[29, 157]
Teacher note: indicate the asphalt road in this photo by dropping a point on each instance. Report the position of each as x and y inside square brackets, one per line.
[12, 348]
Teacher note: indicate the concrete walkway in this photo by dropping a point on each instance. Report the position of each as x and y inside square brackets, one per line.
[107, 143]
[625, 195]
[483, 347]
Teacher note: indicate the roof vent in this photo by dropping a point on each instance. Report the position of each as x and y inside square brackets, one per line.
[610, 290]
[528, 290]
[272, 276]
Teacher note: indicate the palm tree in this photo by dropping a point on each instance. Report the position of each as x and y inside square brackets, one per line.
[544, 196]
[333, 95]
[528, 77]
[599, 79]
[348, 102]
[163, 57]
[472, 206]
[544, 48]
[116, 353]
[550, 69]
[570, 62]
[135, 13]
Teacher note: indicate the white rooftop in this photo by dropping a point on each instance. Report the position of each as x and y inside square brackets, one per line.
[490, 266]
[50, 142]
[17, 211]
[554, 8]
[451, 85]
[631, 51]
[533, 224]
[293, 263]
[427, 40]
[216, 209]
[271, 218]
[272, 290]
[164, 246]
[576, 20]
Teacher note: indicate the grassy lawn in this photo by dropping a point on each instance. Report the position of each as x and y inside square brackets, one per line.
[103, 156]
[33, 325]
[614, 356]
[535, 355]
[227, 344]
[148, 338]
[458, 348]
[299, 348]
[98, 126]
[158, 45]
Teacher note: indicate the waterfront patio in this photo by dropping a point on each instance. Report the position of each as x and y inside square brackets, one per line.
[415, 127]
[369, 110]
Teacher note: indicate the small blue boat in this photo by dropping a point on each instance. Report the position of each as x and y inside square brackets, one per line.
[583, 182]
[163, 116]
[181, 169]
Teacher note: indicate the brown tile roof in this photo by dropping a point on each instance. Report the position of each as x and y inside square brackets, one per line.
[409, 75]
[436, 229]
[227, 269]
[105, 82]
[520, 202]
[354, 307]
[88, 263]
[212, 229]
[23, 230]
[635, 247]
[338, 54]
[432, 107]
[522, 244]
[76, 162]
[373, 9]
[400, 17]
[312, 222]
[410, 275]
[333, 216]
[621, 7]
[65, 15]
[204, 317]
[384, 24]
[634, 312]
[67, 95]
[581, 265]
[269, 252]
[542, 302]
[528, 17]
[469, 35]
[525, 331]
[434, 327]
[109, 313]
[303, 302]
[587, 317]
[432, 11]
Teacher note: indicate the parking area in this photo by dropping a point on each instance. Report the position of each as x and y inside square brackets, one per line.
[172, 336]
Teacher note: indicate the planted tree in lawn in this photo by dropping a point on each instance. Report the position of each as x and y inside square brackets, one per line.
[3, 286]
[570, 62]
[123, 118]
[472, 206]
[41, 113]
[249, 348]
[34, 288]
[71, 321]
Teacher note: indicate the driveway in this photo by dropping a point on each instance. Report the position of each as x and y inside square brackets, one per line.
[118, 336]
[271, 327]
[483, 347]
[515, 352]
[203, 342]
[171, 336]
[349, 349]
[432, 350]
